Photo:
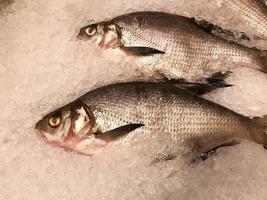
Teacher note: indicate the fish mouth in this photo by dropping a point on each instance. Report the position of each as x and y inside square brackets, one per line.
[75, 144]
[50, 139]
[40, 134]
[68, 142]
[81, 35]
[37, 125]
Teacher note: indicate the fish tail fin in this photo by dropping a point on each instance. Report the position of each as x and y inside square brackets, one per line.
[261, 134]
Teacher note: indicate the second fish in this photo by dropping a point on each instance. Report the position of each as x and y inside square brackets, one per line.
[172, 45]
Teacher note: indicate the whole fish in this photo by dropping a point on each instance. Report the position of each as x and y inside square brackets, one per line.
[173, 46]
[110, 113]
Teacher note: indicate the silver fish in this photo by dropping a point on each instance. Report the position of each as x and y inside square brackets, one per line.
[173, 46]
[110, 113]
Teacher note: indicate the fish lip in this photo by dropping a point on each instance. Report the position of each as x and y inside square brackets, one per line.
[38, 130]
[81, 34]
[68, 142]
[57, 143]
[40, 135]
[37, 125]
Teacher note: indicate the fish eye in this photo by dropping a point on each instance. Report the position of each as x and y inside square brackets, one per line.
[54, 121]
[90, 31]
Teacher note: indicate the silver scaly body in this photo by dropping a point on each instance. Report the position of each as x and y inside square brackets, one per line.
[167, 110]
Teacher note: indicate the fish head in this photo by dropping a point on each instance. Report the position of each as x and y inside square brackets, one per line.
[104, 34]
[66, 126]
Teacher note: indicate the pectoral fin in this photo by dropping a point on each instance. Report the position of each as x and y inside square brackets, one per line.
[142, 51]
[117, 133]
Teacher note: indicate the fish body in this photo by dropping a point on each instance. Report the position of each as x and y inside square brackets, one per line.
[150, 110]
[179, 48]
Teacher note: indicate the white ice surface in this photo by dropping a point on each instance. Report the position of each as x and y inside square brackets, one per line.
[43, 66]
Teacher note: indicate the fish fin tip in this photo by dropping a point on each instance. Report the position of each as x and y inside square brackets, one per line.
[142, 51]
[212, 152]
[119, 132]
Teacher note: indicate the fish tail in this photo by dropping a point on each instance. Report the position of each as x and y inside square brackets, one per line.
[260, 135]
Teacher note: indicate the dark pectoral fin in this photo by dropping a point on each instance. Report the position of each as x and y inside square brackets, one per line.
[142, 51]
[116, 133]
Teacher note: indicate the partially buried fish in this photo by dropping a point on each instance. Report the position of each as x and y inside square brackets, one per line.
[251, 13]
[110, 113]
[174, 46]
[246, 23]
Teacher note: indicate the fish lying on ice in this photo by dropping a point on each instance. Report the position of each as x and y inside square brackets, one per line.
[171, 45]
[110, 113]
